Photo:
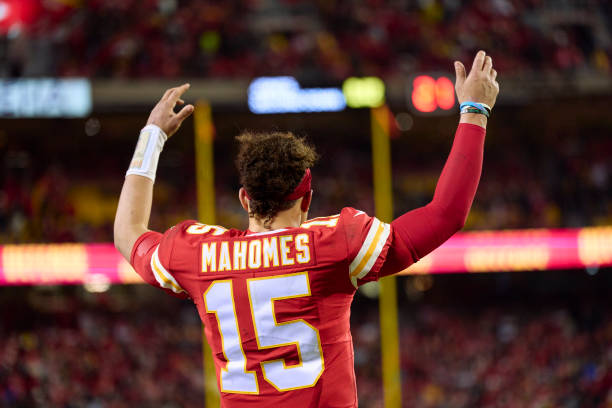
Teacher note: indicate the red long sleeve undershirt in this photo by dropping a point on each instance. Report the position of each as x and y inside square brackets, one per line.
[420, 231]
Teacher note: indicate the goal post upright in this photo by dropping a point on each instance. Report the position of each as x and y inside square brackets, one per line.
[383, 203]
[205, 186]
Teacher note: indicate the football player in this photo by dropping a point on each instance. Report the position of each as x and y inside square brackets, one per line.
[275, 298]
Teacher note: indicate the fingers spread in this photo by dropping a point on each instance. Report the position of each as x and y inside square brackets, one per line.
[479, 61]
[167, 94]
[488, 65]
[179, 91]
[173, 95]
[184, 113]
[459, 73]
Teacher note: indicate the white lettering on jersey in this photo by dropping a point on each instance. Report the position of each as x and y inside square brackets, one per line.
[258, 253]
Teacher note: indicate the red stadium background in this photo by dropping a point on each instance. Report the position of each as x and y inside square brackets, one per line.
[512, 312]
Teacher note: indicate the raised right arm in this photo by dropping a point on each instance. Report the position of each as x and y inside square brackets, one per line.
[134, 208]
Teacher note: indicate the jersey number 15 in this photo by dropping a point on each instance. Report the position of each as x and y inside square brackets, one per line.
[263, 292]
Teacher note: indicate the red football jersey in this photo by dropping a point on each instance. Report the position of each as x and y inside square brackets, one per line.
[275, 305]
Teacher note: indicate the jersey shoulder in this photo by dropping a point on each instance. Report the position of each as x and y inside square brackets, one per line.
[368, 240]
[338, 234]
[348, 216]
[195, 231]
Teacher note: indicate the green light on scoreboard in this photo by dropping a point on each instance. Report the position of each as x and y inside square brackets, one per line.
[367, 92]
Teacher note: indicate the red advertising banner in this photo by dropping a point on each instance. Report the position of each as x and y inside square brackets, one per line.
[519, 250]
[483, 251]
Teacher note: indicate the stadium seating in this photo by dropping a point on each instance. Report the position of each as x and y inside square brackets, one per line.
[543, 342]
[311, 40]
[130, 348]
[534, 184]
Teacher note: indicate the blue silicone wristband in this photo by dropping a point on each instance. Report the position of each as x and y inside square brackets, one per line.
[482, 108]
[476, 105]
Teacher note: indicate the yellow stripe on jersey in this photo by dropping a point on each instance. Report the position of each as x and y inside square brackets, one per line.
[370, 250]
[330, 222]
[162, 276]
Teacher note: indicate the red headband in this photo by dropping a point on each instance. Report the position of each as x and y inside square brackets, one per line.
[299, 191]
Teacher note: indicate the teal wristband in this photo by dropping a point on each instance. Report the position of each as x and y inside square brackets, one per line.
[475, 107]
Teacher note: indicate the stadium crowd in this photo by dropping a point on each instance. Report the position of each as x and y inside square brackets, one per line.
[493, 358]
[84, 356]
[318, 41]
[106, 352]
[94, 359]
[565, 185]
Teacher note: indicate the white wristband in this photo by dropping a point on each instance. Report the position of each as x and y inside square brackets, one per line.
[150, 144]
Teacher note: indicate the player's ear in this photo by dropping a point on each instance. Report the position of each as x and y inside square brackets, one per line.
[244, 201]
[306, 200]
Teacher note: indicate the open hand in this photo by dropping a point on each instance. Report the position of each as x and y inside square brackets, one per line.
[480, 85]
[163, 114]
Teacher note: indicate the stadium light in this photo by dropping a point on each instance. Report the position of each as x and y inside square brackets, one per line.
[428, 94]
[284, 95]
[17, 13]
[5, 10]
[368, 92]
[45, 97]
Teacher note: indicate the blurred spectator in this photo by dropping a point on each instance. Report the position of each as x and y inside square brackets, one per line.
[123, 353]
[495, 357]
[323, 40]
[564, 184]
[95, 358]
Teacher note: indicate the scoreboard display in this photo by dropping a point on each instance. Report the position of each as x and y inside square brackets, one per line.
[427, 94]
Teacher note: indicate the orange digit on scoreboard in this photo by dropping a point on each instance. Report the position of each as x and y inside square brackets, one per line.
[429, 94]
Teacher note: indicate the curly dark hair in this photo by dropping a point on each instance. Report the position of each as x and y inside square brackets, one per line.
[271, 165]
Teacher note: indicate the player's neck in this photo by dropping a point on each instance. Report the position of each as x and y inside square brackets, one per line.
[284, 219]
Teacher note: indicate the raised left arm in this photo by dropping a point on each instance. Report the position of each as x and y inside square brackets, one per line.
[134, 209]
[420, 231]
